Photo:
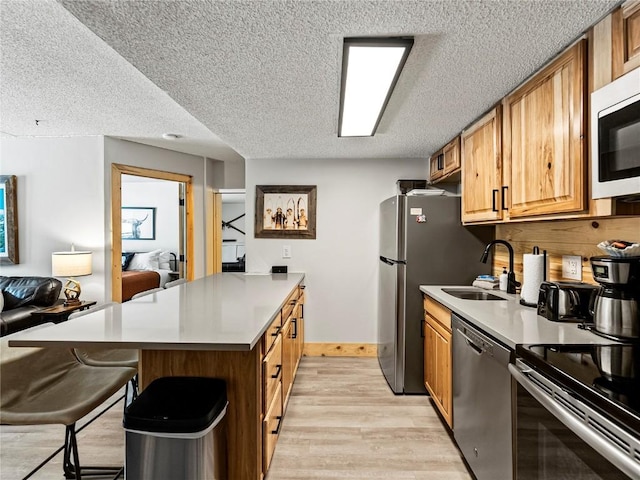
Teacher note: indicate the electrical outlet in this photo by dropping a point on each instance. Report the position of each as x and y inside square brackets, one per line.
[572, 267]
[286, 251]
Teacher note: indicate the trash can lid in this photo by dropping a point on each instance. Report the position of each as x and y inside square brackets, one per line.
[177, 405]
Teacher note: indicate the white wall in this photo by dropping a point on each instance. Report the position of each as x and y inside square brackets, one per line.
[341, 265]
[163, 195]
[60, 201]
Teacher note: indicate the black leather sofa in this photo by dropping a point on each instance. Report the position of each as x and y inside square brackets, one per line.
[22, 297]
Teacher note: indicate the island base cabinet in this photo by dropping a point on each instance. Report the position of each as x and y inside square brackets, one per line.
[242, 373]
[259, 382]
[271, 427]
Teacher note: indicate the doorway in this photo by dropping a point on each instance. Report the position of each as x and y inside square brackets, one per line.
[233, 230]
[138, 225]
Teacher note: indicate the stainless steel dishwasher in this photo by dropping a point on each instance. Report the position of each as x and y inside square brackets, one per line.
[482, 401]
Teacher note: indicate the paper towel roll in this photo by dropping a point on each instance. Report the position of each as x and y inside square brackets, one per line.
[533, 276]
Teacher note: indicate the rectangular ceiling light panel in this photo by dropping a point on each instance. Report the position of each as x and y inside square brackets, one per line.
[370, 70]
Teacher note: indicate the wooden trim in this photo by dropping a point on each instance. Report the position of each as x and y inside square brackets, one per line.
[117, 170]
[340, 349]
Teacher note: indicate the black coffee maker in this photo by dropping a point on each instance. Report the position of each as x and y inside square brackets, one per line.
[616, 303]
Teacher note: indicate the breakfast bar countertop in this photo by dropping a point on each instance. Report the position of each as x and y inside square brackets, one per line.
[228, 311]
[510, 322]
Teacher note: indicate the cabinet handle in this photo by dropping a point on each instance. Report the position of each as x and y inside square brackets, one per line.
[504, 198]
[278, 371]
[293, 302]
[277, 430]
[294, 335]
[441, 161]
[277, 332]
[493, 200]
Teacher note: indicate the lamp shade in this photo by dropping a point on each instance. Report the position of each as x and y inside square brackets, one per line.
[71, 264]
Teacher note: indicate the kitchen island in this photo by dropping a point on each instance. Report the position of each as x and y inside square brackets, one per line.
[227, 326]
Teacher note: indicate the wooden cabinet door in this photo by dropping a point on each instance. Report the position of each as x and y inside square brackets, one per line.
[430, 359]
[625, 25]
[444, 380]
[437, 366]
[288, 363]
[436, 166]
[451, 153]
[544, 146]
[481, 151]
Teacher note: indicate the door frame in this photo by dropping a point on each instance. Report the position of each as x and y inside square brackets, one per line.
[117, 170]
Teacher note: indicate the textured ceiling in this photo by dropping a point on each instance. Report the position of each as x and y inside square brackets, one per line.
[264, 76]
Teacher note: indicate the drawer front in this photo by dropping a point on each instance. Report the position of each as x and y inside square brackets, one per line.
[438, 311]
[272, 371]
[287, 309]
[271, 428]
[272, 333]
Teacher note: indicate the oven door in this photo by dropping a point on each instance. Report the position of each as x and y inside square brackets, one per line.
[556, 436]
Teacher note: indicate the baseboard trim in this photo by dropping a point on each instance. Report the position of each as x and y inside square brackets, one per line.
[340, 349]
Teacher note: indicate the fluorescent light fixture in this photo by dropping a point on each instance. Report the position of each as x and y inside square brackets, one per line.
[370, 70]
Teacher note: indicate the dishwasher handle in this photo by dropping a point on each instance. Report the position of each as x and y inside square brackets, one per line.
[478, 350]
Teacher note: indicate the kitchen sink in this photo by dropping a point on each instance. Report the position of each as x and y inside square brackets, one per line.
[471, 294]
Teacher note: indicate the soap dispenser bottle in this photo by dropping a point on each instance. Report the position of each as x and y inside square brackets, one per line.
[504, 279]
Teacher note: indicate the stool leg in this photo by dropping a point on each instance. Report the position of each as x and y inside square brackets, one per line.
[71, 460]
[71, 449]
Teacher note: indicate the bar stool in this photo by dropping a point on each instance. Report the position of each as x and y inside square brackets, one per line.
[43, 386]
[147, 292]
[173, 283]
[109, 357]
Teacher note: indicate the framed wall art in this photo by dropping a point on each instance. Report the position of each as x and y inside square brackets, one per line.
[138, 223]
[285, 211]
[9, 220]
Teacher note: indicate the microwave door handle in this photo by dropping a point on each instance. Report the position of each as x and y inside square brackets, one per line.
[595, 440]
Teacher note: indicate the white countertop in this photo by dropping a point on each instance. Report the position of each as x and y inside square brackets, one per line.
[227, 311]
[510, 322]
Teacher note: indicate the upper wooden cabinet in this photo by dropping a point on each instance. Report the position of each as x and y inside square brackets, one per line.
[445, 163]
[481, 151]
[544, 142]
[625, 25]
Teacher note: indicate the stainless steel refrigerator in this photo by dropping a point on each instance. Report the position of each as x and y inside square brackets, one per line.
[422, 242]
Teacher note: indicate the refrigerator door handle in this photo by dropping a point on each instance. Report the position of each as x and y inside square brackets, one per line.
[388, 261]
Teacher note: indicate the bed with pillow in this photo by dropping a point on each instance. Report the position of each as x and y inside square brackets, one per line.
[145, 270]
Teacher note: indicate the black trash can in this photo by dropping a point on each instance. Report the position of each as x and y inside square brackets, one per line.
[175, 429]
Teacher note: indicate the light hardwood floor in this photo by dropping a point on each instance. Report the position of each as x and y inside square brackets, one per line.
[342, 422]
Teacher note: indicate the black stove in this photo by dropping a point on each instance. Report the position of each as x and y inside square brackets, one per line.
[605, 376]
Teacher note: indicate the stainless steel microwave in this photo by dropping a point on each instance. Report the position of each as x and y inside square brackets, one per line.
[615, 138]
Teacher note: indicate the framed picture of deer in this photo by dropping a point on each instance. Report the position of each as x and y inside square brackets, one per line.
[138, 223]
[285, 211]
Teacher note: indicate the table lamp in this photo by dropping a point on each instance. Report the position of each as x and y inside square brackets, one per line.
[71, 264]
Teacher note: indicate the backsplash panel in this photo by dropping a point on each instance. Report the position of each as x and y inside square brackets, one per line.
[558, 238]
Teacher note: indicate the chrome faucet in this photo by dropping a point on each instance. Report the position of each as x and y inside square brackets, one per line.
[511, 276]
